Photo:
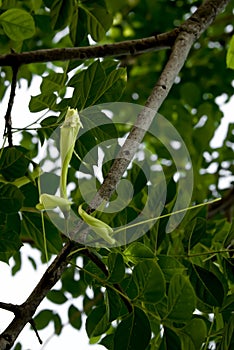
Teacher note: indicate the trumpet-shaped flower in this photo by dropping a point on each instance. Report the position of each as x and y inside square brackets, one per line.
[68, 134]
[49, 202]
[101, 228]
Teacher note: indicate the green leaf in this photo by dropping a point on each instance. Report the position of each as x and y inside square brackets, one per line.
[43, 318]
[170, 266]
[116, 267]
[74, 316]
[11, 199]
[194, 231]
[57, 296]
[10, 242]
[98, 19]
[96, 85]
[134, 332]
[150, 281]
[61, 13]
[113, 305]
[207, 286]
[180, 293]
[91, 271]
[170, 340]
[13, 163]
[57, 324]
[17, 24]
[136, 252]
[97, 322]
[42, 101]
[53, 82]
[193, 335]
[230, 54]
[32, 228]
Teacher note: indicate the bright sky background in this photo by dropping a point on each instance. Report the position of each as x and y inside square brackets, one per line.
[16, 289]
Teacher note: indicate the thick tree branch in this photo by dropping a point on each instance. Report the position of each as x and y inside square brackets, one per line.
[188, 33]
[128, 47]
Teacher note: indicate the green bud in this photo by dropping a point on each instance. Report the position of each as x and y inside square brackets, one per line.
[101, 228]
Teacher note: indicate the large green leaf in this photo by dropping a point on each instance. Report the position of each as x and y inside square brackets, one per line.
[61, 13]
[170, 266]
[97, 322]
[32, 228]
[97, 85]
[11, 199]
[13, 163]
[150, 281]
[134, 332]
[181, 299]
[17, 24]
[98, 18]
[42, 101]
[207, 286]
[193, 335]
[53, 82]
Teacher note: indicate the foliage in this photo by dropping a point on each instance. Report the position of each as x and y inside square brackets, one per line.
[179, 285]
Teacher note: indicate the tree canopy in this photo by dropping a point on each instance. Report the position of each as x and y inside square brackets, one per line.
[127, 197]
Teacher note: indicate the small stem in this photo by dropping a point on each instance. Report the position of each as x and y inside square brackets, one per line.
[165, 215]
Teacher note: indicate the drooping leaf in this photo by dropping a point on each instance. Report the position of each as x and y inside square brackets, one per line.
[180, 293]
[150, 281]
[17, 24]
[134, 332]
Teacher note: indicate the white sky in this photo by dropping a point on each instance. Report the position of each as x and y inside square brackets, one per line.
[16, 289]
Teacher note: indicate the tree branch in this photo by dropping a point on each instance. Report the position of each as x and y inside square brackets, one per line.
[187, 34]
[128, 47]
[8, 122]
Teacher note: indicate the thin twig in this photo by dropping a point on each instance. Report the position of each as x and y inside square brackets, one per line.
[8, 121]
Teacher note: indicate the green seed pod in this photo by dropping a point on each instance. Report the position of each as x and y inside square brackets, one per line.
[101, 228]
